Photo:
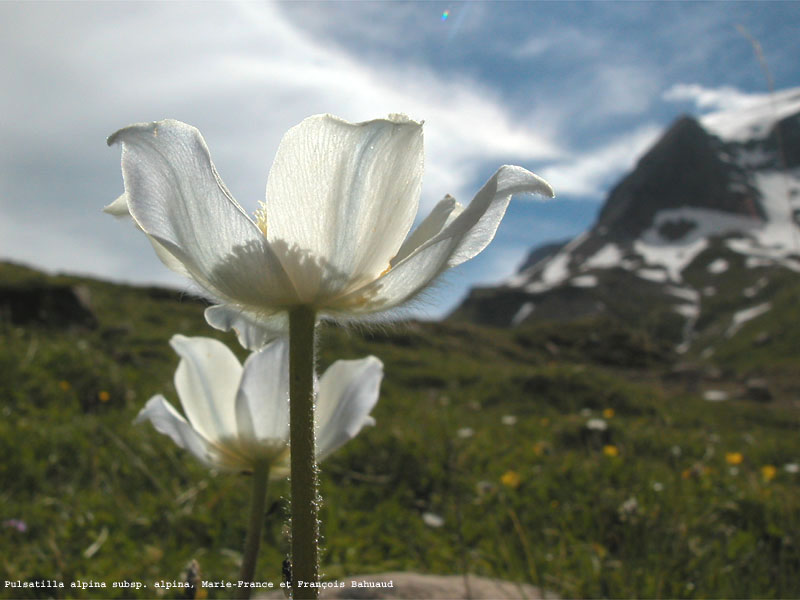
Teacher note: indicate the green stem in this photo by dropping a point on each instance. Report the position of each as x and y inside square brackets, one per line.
[253, 541]
[305, 526]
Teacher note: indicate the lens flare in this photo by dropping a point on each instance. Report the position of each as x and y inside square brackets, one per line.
[445, 14]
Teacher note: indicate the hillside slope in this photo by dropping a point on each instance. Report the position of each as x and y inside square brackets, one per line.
[542, 455]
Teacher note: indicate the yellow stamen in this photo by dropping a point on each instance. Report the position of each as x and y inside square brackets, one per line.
[261, 217]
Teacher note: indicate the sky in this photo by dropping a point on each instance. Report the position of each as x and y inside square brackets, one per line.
[574, 91]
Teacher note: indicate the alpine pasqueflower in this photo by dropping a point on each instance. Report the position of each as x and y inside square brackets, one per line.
[238, 415]
[332, 234]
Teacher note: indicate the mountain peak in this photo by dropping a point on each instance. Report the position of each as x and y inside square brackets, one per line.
[704, 200]
[686, 167]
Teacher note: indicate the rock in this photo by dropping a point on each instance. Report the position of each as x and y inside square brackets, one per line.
[60, 306]
[757, 389]
[423, 587]
[684, 168]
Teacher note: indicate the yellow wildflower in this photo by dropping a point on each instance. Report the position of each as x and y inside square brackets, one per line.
[104, 396]
[608, 413]
[511, 479]
[610, 450]
[768, 472]
[734, 458]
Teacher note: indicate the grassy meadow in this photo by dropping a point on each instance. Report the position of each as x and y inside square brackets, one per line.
[487, 457]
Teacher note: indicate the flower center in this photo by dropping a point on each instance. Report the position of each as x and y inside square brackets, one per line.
[261, 217]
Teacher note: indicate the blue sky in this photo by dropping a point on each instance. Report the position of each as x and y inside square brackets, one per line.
[573, 91]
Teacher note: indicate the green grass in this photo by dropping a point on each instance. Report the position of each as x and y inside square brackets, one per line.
[534, 501]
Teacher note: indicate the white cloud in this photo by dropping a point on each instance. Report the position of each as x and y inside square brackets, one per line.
[242, 73]
[712, 99]
[564, 93]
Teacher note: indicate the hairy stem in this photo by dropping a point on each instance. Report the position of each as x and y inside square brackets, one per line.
[305, 526]
[253, 540]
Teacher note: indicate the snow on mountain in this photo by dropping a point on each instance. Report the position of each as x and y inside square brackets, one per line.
[709, 191]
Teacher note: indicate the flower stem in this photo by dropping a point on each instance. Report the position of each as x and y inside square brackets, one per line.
[253, 541]
[305, 527]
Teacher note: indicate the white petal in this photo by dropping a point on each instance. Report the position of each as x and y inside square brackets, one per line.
[442, 215]
[169, 261]
[460, 240]
[119, 207]
[206, 380]
[348, 391]
[253, 331]
[262, 402]
[341, 198]
[176, 197]
[168, 421]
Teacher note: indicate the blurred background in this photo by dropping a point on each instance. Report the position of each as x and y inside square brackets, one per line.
[604, 403]
[573, 91]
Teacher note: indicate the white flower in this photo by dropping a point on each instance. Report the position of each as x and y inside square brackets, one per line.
[239, 415]
[509, 420]
[628, 509]
[432, 519]
[596, 424]
[333, 232]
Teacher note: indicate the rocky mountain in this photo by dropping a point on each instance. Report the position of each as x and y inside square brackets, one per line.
[689, 245]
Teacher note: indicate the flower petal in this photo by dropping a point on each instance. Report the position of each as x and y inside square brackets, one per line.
[467, 235]
[348, 391]
[163, 416]
[119, 207]
[341, 198]
[442, 215]
[262, 401]
[168, 260]
[253, 331]
[207, 379]
[175, 196]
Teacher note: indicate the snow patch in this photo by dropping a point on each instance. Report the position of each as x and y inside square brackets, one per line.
[522, 314]
[718, 266]
[672, 258]
[748, 314]
[690, 311]
[656, 275]
[629, 264]
[687, 293]
[584, 281]
[676, 255]
[752, 261]
[557, 270]
[554, 272]
[608, 256]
